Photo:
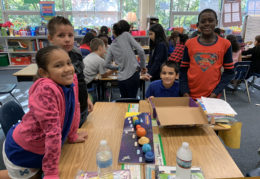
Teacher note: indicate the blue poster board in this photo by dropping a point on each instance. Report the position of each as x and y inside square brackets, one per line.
[47, 9]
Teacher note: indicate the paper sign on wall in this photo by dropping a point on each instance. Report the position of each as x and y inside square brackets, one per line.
[47, 9]
[231, 13]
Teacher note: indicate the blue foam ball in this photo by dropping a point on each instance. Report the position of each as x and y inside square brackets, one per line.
[146, 148]
[149, 156]
[137, 122]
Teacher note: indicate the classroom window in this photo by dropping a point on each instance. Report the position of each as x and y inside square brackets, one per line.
[94, 19]
[130, 6]
[21, 21]
[28, 5]
[184, 21]
[184, 5]
[162, 11]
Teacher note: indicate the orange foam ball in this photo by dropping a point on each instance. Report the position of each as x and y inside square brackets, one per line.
[138, 126]
[140, 132]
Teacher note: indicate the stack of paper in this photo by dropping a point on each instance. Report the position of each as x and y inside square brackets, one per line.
[218, 109]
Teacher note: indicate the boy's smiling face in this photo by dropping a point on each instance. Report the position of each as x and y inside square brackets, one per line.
[63, 37]
[207, 23]
[168, 76]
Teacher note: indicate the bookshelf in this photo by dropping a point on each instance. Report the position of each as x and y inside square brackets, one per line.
[21, 50]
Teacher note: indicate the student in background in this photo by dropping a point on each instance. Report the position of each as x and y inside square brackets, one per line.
[236, 51]
[95, 62]
[105, 39]
[85, 44]
[204, 56]
[94, 32]
[35, 143]
[104, 32]
[121, 51]
[167, 86]
[255, 56]
[173, 41]
[158, 50]
[61, 34]
[177, 54]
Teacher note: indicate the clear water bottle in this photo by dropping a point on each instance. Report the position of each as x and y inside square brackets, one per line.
[183, 160]
[104, 160]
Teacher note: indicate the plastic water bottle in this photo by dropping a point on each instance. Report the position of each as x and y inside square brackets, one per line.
[104, 160]
[183, 160]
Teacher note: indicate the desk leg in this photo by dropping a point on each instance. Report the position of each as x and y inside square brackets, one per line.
[142, 87]
[98, 90]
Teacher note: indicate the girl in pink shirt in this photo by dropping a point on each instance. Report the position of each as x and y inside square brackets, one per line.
[236, 51]
[35, 143]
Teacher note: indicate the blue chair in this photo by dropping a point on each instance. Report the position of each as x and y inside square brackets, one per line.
[252, 83]
[254, 173]
[10, 113]
[241, 72]
[8, 88]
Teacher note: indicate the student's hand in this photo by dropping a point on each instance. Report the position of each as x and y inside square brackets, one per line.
[186, 95]
[213, 95]
[151, 97]
[82, 136]
[90, 105]
[145, 77]
[144, 70]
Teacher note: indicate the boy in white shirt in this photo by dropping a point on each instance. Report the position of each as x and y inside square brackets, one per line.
[94, 62]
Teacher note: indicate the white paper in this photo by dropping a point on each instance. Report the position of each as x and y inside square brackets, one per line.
[228, 7]
[235, 17]
[251, 6]
[235, 7]
[217, 106]
[227, 18]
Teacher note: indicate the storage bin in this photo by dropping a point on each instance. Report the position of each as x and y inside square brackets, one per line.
[21, 60]
[4, 60]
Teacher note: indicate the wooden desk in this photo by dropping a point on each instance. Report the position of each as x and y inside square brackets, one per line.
[27, 73]
[106, 122]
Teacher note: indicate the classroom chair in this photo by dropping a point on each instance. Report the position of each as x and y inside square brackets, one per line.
[252, 83]
[241, 71]
[254, 173]
[10, 113]
[8, 88]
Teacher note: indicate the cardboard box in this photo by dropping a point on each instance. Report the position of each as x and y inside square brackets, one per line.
[179, 111]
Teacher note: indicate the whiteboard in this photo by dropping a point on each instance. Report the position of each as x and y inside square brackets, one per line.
[251, 27]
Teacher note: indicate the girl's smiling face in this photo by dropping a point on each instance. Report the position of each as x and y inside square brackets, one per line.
[59, 68]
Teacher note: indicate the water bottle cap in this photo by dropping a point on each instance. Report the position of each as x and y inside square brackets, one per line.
[185, 144]
[103, 142]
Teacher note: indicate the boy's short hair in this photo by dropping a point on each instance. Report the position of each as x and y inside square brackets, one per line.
[57, 20]
[95, 43]
[257, 38]
[171, 64]
[208, 10]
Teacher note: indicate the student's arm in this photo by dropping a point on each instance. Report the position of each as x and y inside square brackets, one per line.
[159, 57]
[248, 52]
[102, 70]
[185, 64]
[228, 73]
[107, 73]
[108, 60]
[240, 56]
[139, 49]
